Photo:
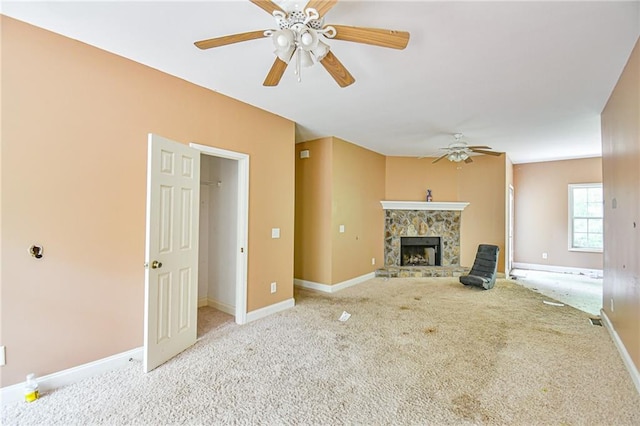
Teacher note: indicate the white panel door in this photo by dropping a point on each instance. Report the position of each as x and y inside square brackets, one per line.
[171, 258]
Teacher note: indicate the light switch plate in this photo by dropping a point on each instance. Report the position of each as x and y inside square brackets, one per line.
[275, 233]
[3, 358]
[341, 229]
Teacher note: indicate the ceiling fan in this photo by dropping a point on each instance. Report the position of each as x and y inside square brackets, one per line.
[459, 151]
[298, 35]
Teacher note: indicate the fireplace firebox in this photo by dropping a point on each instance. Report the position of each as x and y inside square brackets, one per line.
[420, 251]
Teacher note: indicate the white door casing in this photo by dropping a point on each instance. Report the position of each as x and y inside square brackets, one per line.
[511, 218]
[171, 250]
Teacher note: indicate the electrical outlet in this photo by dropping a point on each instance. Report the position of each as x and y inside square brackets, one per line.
[545, 255]
[274, 287]
[3, 356]
[373, 260]
[341, 229]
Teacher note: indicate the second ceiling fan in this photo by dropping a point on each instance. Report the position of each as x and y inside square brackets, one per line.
[461, 151]
[298, 36]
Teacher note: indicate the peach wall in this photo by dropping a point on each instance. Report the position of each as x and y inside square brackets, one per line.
[358, 188]
[74, 139]
[542, 211]
[621, 170]
[408, 178]
[313, 211]
[339, 184]
[481, 183]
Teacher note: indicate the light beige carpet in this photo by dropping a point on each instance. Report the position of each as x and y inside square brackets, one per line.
[414, 351]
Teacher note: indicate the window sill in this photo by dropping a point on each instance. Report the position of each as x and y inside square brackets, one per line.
[585, 250]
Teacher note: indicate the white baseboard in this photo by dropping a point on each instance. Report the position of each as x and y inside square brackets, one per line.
[269, 310]
[312, 285]
[560, 269]
[227, 309]
[626, 358]
[15, 393]
[336, 287]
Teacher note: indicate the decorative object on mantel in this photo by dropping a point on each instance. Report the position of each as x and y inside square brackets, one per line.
[422, 205]
[429, 196]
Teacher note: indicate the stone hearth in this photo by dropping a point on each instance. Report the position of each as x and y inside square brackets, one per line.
[421, 271]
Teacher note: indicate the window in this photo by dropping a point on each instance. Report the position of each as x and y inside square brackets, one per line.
[585, 217]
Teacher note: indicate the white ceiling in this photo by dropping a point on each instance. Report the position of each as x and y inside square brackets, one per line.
[527, 78]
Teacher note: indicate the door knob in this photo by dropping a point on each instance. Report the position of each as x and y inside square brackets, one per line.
[156, 265]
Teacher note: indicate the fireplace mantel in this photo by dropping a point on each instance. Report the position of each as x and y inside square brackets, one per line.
[423, 205]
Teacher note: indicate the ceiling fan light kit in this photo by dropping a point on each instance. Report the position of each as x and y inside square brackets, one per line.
[458, 156]
[298, 35]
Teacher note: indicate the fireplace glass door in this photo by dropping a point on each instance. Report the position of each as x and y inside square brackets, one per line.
[420, 251]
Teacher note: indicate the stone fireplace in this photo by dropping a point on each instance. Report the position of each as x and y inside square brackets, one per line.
[422, 238]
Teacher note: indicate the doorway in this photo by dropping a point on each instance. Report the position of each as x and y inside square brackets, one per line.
[172, 255]
[510, 227]
[222, 259]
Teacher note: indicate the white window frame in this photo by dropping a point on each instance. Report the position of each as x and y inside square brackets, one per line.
[573, 186]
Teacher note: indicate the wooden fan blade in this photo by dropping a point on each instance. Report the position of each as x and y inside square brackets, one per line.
[482, 151]
[337, 70]
[268, 6]
[374, 36]
[468, 160]
[230, 39]
[322, 6]
[275, 73]
[439, 158]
